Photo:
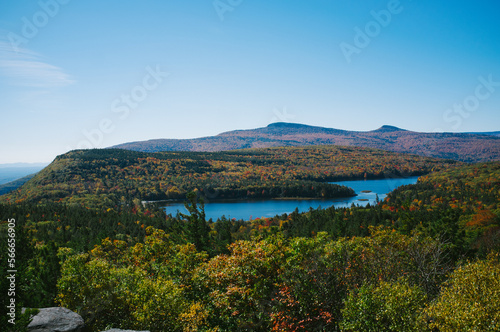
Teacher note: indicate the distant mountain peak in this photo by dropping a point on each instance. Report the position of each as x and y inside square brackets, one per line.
[286, 125]
[387, 128]
[288, 128]
[468, 148]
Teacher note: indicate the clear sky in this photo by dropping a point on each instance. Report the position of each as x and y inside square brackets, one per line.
[78, 74]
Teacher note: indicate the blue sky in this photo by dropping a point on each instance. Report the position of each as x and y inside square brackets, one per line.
[81, 74]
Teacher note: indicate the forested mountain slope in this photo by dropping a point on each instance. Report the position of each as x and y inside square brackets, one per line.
[111, 177]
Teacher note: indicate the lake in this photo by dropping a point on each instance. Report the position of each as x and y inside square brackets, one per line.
[367, 190]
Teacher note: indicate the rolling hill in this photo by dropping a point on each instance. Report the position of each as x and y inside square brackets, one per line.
[113, 177]
[467, 147]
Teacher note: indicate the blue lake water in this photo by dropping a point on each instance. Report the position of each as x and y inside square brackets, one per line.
[252, 209]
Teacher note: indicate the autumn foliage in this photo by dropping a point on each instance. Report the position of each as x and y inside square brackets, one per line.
[112, 178]
[423, 259]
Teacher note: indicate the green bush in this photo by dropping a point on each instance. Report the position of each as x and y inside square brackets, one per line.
[139, 287]
[390, 306]
[470, 300]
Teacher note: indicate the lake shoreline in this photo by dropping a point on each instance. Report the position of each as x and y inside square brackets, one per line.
[236, 200]
[269, 207]
[229, 200]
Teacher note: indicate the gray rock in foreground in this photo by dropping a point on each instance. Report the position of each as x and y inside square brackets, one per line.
[56, 319]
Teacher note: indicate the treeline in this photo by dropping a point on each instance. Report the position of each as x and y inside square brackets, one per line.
[112, 177]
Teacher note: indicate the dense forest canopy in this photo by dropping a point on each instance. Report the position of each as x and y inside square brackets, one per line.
[426, 258]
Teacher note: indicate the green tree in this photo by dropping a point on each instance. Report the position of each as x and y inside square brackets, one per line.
[146, 286]
[470, 300]
[310, 295]
[390, 306]
[157, 304]
[239, 287]
[95, 290]
[198, 229]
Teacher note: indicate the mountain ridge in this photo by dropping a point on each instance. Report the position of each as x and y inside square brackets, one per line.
[467, 147]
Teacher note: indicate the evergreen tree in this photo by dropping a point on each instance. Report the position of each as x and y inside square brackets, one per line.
[198, 229]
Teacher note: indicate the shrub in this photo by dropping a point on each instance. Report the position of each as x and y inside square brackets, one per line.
[470, 300]
[390, 306]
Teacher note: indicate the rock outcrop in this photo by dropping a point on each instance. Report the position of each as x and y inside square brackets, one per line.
[56, 319]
